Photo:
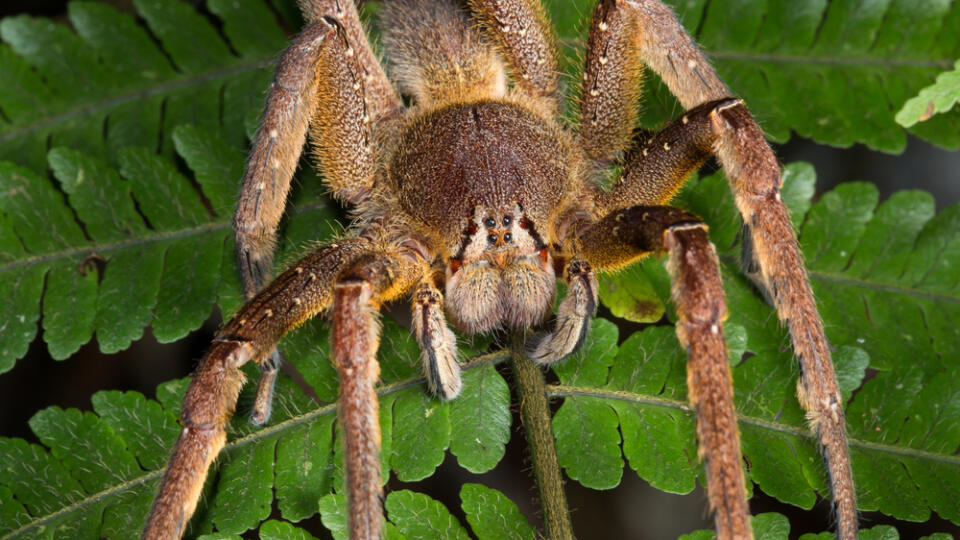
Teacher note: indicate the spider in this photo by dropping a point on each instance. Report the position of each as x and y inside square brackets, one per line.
[473, 195]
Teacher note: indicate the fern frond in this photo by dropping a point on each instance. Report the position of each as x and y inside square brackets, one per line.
[939, 97]
[117, 237]
[110, 85]
[165, 257]
[623, 402]
[835, 72]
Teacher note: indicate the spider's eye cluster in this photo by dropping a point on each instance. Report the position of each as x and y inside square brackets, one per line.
[497, 236]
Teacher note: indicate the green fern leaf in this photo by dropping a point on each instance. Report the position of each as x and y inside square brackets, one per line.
[939, 97]
[844, 67]
[279, 530]
[109, 85]
[420, 517]
[493, 516]
[165, 261]
[868, 265]
[885, 277]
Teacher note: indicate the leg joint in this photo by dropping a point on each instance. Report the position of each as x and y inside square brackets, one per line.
[730, 113]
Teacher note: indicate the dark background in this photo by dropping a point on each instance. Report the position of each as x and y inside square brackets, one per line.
[37, 381]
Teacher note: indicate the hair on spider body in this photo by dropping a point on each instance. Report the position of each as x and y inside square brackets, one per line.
[474, 200]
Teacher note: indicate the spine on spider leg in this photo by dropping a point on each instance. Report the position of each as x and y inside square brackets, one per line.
[355, 341]
[755, 179]
[701, 307]
[207, 407]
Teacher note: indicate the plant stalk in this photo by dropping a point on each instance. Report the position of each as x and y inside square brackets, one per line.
[535, 413]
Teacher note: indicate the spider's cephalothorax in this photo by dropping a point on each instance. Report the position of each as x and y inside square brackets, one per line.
[488, 179]
[474, 199]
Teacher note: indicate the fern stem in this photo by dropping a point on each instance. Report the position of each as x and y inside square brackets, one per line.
[535, 412]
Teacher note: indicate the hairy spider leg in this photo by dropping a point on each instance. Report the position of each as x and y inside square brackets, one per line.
[573, 315]
[755, 179]
[436, 55]
[438, 344]
[612, 85]
[663, 45]
[328, 68]
[306, 289]
[375, 278]
[380, 97]
[631, 233]
[658, 167]
[526, 40]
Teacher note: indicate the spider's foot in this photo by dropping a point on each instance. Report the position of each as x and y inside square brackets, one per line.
[263, 402]
[573, 317]
[438, 344]
[442, 370]
[568, 335]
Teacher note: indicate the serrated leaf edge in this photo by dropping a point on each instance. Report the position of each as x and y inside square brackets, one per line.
[384, 390]
[564, 391]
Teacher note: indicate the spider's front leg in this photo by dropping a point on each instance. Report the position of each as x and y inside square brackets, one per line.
[526, 39]
[438, 344]
[697, 292]
[329, 77]
[651, 34]
[573, 315]
[353, 276]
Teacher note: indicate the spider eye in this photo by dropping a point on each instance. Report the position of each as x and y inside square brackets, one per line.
[507, 237]
[507, 220]
[492, 238]
[489, 223]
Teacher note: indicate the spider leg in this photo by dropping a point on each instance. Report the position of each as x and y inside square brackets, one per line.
[438, 344]
[612, 84]
[314, 284]
[355, 338]
[328, 70]
[658, 168]
[628, 234]
[437, 56]
[380, 96]
[655, 173]
[663, 45]
[755, 179]
[573, 315]
[319, 74]
[526, 39]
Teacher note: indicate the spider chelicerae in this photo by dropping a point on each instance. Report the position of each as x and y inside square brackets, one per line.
[473, 198]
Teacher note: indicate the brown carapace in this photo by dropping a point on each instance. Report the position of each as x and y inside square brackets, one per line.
[472, 195]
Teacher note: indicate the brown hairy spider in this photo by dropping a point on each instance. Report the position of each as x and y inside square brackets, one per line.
[474, 200]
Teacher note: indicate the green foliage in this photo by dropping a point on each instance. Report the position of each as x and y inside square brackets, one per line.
[833, 71]
[771, 526]
[125, 223]
[939, 97]
[634, 387]
[109, 95]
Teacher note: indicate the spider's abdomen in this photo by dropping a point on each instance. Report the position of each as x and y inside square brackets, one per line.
[489, 154]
